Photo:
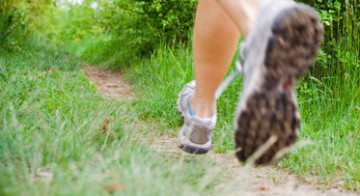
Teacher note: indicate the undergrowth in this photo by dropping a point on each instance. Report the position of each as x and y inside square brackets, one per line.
[60, 137]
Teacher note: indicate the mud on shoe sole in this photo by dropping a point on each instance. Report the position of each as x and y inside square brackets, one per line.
[271, 109]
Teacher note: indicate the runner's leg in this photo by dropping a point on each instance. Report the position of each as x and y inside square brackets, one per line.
[216, 33]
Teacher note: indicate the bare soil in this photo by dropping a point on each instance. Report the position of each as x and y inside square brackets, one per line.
[239, 180]
[110, 83]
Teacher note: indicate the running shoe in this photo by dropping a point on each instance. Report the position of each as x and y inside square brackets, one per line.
[279, 49]
[195, 135]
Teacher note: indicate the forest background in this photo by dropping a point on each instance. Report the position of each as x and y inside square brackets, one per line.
[150, 42]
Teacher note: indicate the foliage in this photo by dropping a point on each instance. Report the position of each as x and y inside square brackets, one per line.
[144, 24]
[16, 19]
[125, 29]
[11, 18]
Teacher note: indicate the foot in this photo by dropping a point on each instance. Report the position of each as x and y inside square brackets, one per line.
[195, 135]
[280, 48]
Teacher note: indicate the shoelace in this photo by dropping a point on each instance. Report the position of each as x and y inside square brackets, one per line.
[231, 77]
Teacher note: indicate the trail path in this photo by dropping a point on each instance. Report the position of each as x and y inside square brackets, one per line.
[240, 180]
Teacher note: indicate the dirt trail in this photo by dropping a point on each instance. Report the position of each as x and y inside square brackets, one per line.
[109, 83]
[240, 180]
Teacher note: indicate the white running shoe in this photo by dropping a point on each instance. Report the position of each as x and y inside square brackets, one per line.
[195, 135]
[279, 49]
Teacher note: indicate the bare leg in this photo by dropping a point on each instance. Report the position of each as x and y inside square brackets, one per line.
[217, 28]
[242, 12]
[214, 43]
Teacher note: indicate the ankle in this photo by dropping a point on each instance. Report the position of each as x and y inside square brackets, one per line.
[203, 108]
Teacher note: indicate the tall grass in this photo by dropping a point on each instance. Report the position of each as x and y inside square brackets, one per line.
[54, 140]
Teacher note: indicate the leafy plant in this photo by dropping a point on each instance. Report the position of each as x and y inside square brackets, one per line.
[16, 19]
[11, 18]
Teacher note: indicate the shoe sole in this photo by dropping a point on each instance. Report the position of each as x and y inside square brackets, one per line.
[271, 109]
[193, 150]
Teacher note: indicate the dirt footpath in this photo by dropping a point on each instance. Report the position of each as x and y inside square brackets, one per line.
[247, 181]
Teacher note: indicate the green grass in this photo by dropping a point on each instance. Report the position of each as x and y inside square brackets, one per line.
[53, 143]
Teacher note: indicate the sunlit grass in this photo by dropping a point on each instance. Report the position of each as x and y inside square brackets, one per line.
[53, 140]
